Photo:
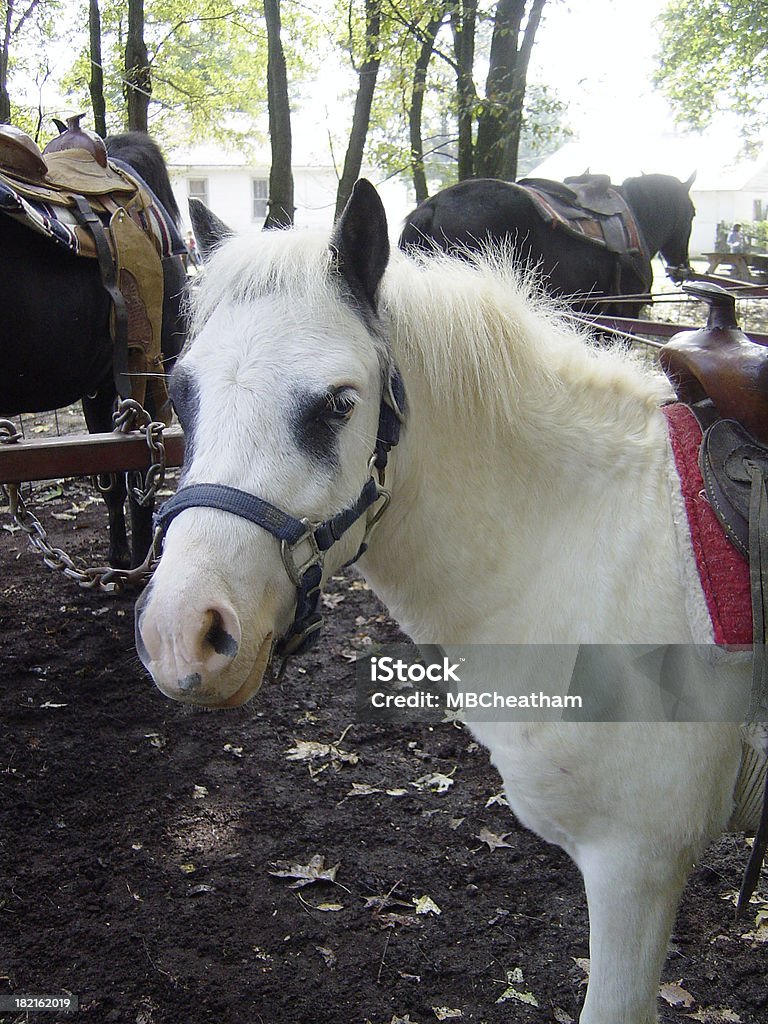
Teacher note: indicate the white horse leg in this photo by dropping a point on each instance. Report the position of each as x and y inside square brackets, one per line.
[632, 899]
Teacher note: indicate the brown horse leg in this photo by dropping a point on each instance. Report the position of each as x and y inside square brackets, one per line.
[98, 409]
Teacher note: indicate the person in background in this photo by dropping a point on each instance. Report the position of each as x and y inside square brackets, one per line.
[736, 241]
[192, 250]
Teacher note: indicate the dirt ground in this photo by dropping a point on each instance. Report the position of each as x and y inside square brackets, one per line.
[139, 842]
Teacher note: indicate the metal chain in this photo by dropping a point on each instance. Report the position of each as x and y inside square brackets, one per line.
[8, 432]
[129, 416]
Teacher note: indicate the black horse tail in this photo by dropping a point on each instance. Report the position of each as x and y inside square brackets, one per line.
[143, 154]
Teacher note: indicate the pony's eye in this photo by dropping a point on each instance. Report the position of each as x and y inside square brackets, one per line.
[339, 404]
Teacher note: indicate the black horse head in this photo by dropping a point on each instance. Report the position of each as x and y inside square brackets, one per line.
[664, 211]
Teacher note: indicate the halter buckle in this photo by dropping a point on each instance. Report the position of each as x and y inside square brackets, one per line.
[370, 524]
[296, 570]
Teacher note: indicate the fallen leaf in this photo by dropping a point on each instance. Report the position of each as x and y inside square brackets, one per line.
[330, 907]
[396, 920]
[561, 1016]
[305, 874]
[426, 905]
[328, 955]
[379, 903]
[311, 750]
[187, 869]
[199, 792]
[673, 993]
[362, 789]
[582, 962]
[437, 782]
[493, 841]
[759, 935]
[497, 798]
[514, 978]
[196, 890]
[446, 1013]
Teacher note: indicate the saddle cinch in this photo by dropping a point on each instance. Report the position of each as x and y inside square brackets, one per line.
[722, 376]
[71, 193]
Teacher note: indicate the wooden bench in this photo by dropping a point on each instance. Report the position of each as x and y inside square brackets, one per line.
[739, 262]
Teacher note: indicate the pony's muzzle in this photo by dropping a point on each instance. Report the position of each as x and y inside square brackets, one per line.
[190, 655]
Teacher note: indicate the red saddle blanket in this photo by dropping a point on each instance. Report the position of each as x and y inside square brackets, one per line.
[723, 571]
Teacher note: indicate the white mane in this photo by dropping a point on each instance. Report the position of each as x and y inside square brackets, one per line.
[480, 331]
[486, 334]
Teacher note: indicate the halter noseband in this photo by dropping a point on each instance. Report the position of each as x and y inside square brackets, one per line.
[305, 573]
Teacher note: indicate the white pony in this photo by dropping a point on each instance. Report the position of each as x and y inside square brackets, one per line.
[530, 504]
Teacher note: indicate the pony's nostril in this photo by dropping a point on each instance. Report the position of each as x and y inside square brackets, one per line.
[191, 682]
[218, 635]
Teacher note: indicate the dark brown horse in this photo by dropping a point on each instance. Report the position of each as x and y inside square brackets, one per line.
[474, 213]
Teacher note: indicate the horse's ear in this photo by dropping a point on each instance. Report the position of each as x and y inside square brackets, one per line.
[209, 230]
[690, 182]
[360, 242]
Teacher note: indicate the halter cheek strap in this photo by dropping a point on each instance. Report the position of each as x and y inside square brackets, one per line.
[305, 571]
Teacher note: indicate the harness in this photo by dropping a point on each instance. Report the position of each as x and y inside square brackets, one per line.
[305, 570]
[591, 209]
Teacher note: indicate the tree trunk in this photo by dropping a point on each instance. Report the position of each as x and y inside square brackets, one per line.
[96, 84]
[280, 209]
[463, 22]
[361, 117]
[500, 121]
[138, 80]
[417, 103]
[5, 99]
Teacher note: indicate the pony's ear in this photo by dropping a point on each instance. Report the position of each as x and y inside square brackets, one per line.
[209, 230]
[690, 182]
[360, 242]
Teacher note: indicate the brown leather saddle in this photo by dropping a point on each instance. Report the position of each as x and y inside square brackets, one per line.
[106, 213]
[590, 208]
[723, 376]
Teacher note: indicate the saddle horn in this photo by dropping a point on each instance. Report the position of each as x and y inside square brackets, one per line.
[72, 136]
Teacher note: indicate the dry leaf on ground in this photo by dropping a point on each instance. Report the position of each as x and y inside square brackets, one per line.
[305, 874]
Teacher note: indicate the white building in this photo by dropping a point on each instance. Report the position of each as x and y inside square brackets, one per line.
[236, 188]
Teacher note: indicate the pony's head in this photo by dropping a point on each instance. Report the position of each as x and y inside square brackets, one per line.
[280, 393]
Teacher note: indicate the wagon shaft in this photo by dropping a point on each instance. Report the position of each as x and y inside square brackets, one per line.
[83, 455]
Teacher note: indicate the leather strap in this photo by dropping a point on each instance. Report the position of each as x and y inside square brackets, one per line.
[91, 221]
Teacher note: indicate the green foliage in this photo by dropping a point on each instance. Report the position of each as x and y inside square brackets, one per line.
[208, 67]
[714, 56]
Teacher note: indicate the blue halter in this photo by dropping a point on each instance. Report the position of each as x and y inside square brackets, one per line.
[306, 574]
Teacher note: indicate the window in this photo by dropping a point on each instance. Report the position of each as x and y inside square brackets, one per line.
[757, 210]
[197, 188]
[260, 198]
